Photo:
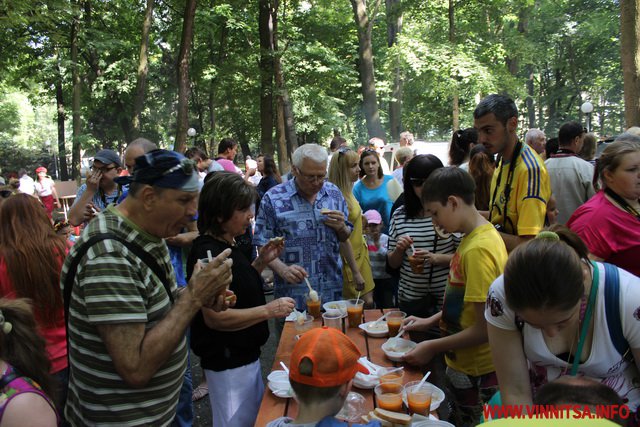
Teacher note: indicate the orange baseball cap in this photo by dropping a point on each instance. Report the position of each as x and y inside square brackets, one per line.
[334, 358]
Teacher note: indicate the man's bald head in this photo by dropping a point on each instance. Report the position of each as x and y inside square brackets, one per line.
[136, 148]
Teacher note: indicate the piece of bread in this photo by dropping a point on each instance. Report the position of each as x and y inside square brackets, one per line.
[324, 211]
[383, 423]
[277, 240]
[394, 417]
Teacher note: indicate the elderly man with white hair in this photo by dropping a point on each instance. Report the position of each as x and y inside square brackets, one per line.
[309, 213]
[537, 140]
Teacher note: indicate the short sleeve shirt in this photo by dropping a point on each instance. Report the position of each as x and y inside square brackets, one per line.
[478, 261]
[100, 199]
[113, 286]
[308, 241]
[530, 192]
[604, 364]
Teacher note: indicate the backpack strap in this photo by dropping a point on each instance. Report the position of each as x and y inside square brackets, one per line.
[612, 308]
[144, 256]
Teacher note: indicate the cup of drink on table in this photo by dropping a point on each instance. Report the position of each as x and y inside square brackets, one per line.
[389, 396]
[394, 322]
[354, 312]
[332, 320]
[313, 306]
[391, 376]
[419, 397]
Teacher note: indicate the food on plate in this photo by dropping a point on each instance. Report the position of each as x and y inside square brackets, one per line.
[387, 418]
[300, 318]
[376, 326]
[398, 346]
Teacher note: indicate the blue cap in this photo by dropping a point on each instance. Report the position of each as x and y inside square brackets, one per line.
[107, 157]
[165, 169]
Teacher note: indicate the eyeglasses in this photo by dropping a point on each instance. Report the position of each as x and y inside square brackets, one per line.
[417, 182]
[186, 166]
[311, 178]
[103, 169]
[5, 194]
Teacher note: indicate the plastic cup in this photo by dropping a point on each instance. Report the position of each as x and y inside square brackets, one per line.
[303, 326]
[332, 320]
[417, 264]
[313, 307]
[389, 396]
[394, 322]
[390, 376]
[355, 308]
[419, 397]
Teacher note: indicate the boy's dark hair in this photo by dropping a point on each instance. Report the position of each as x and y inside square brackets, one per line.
[568, 132]
[568, 390]
[551, 147]
[501, 106]
[337, 142]
[449, 181]
[225, 144]
[196, 152]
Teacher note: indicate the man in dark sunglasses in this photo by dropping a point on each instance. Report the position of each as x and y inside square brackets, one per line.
[126, 320]
[100, 188]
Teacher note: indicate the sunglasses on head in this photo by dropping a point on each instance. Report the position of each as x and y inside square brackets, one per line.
[187, 167]
[5, 193]
[343, 150]
[417, 182]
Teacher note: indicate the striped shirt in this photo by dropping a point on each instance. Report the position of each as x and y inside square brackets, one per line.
[433, 280]
[378, 256]
[113, 286]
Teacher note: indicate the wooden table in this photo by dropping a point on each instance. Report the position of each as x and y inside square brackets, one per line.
[273, 407]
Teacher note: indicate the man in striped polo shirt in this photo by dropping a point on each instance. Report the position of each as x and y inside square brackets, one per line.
[520, 186]
[127, 348]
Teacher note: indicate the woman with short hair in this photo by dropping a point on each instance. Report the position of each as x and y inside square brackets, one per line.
[228, 343]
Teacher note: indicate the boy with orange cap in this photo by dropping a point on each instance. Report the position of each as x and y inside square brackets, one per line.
[323, 364]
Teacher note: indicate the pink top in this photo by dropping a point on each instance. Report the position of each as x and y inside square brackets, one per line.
[55, 336]
[609, 232]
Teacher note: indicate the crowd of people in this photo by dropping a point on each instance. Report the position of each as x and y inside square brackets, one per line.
[516, 265]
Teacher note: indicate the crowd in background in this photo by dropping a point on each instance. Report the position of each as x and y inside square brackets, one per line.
[517, 245]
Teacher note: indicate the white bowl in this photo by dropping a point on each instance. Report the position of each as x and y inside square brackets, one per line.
[436, 399]
[380, 330]
[278, 376]
[281, 388]
[365, 382]
[432, 423]
[335, 307]
[395, 348]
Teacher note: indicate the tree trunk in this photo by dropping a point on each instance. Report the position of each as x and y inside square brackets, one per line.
[531, 112]
[455, 104]
[143, 69]
[61, 116]
[182, 123]
[394, 27]
[286, 136]
[75, 100]
[217, 61]
[365, 59]
[630, 53]
[265, 28]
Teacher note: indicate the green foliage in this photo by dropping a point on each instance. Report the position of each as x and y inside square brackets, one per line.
[570, 49]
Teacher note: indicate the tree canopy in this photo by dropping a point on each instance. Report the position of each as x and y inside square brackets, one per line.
[432, 59]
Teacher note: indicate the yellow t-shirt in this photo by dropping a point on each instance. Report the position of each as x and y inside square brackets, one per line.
[530, 191]
[479, 260]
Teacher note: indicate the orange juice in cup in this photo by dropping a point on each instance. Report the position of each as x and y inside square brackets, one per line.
[417, 264]
[355, 308]
[390, 377]
[389, 397]
[313, 308]
[419, 397]
[394, 322]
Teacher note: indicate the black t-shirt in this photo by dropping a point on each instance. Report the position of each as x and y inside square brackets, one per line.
[220, 350]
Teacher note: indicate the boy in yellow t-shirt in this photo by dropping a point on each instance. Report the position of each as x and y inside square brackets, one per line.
[448, 195]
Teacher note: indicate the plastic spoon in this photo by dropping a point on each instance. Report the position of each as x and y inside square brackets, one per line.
[413, 250]
[313, 295]
[284, 367]
[209, 256]
[401, 331]
[380, 319]
[424, 379]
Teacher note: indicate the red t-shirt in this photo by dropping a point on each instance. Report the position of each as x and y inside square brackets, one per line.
[609, 232]
[55, 336]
